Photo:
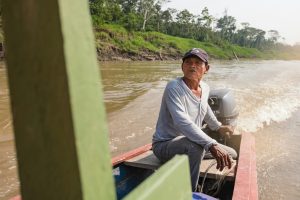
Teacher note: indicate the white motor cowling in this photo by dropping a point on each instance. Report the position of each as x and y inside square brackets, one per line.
[223, 105]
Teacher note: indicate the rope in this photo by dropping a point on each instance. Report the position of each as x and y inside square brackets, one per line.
[220, 179]
[220, 183]
[205, 174]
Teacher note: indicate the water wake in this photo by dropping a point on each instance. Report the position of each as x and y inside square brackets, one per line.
[266, 93]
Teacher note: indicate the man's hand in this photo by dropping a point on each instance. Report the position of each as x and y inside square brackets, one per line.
[222, 157]
[226, 130]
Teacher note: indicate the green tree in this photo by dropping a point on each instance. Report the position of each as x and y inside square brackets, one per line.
[131, 21]
[105, 11]
[167, 19]
[154, 24]
[203, 26]
[227, 26]
[206, 19]
[128, 6]
[148, 8]
[184, 20]
[274, 35]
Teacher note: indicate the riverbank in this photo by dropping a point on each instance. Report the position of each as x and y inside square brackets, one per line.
[114, 42]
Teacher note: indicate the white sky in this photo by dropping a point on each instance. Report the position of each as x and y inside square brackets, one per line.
[280, 15]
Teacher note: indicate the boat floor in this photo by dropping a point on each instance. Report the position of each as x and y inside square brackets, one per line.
[148, 160]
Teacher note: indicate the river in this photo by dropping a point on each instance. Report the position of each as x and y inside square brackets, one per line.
[268, 97]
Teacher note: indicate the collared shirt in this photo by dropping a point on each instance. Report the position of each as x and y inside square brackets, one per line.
[182, 113]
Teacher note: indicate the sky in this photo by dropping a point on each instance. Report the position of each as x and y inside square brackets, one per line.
[280, 15]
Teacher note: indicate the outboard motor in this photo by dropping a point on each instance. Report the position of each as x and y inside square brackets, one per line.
[224, 106]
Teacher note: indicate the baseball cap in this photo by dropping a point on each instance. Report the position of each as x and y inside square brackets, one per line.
[200, 53]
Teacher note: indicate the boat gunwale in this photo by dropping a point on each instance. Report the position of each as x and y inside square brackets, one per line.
[130, 154]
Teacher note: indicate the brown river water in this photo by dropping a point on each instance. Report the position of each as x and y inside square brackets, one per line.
[267, 93]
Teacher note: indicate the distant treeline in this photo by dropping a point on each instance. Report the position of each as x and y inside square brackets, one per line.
[148, 15]
[148, 26]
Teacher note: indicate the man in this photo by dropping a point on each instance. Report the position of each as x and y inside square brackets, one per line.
[184, 107]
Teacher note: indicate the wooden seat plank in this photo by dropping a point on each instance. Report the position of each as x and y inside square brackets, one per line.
[148, 160]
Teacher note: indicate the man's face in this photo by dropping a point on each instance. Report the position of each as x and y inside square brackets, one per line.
[193, 68]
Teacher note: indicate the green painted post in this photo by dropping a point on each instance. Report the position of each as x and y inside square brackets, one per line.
[58, 112]
[170, 182]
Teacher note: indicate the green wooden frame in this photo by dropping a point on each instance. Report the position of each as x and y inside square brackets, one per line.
[57, 104]
[171, 181]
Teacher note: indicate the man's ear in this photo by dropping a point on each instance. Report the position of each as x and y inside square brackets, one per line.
[207, 68]
[182, 66]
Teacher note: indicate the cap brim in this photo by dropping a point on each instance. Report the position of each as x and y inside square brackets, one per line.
[195, 55]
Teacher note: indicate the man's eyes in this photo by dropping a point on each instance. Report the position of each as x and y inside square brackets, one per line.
[196, 63]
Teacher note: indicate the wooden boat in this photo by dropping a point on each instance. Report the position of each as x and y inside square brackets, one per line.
[132, 168]
[240, 182]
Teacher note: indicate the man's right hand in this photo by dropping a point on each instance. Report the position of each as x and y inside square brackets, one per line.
[226, 130]
[222, 157]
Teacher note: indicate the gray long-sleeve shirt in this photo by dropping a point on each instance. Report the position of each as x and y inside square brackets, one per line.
[182, 113]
